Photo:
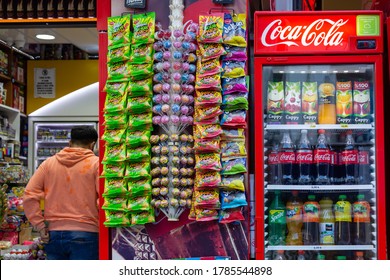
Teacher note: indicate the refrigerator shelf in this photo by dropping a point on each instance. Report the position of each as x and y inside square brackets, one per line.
[320, 187]
[321, 247]
[318, 126]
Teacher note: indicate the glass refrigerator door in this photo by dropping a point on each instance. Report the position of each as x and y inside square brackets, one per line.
[50, 138]
[319, 147]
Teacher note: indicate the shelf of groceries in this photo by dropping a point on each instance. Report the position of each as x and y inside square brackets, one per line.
[321, 247]
[318, 126]
[318, 188]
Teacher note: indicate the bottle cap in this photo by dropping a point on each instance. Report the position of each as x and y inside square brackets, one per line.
[311, 197]
[341, 258]
[321, 131]
[301, 252]
[359, 254]
[321, 257]
[342, 197]
[360, 196]
[349, 132]
[280, 251]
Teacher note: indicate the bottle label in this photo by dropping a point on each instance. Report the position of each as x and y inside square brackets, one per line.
[287, 157]
[277, 216]
[322, 156]
[364, 157]
[273, 158]
[311, 212]
[304, 157]
[293, 213]
[349, 157]
[327, 233]
[342, 211]
[361, 212]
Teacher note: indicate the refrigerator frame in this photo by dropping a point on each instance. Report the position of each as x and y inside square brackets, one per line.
[377, 61]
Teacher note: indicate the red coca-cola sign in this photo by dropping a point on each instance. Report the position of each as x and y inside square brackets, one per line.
[364, 157]
[310, 32]
[322, 156]
[349, 157]
[304, 157]
[273, 158]
[287, 157]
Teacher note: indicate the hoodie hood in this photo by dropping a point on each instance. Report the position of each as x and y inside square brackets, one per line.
[70, 156]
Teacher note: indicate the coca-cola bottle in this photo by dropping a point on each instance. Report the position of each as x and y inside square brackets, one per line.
[273, 165]
[304, 159]
[287, 159]
[322, 159]
[364, 172]
[349, 160]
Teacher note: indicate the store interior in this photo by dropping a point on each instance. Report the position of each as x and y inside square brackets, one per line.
[34, 127]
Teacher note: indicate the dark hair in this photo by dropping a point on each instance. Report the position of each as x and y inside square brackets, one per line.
[83, 135]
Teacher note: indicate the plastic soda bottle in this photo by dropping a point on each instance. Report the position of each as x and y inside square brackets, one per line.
[273, 164]
[277, 221]
[279, 255]
[342, 211]
[361, 235]
[311, 221]
[322, 159]
[320, 257]
[349, 160]
[326, 222]
[287, 159]
[301, 255]
[304, 159]
[294, 209]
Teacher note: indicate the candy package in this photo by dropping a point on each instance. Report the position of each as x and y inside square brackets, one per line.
[207, 131]
[235, 53]
[112, 121]
[207, 199]
[115, 103]
[115, 187]
[206, 162]
[138, 154]
[116, 169]
[140, 71]
[139, 204]
[119, 53]
[234, 118]
[233, 69]
[144, 217]
[118, 30]
[142, 54]
[235, 182]
[207, 98]
[230, 215]
[137, 138]
[212, 82]
[115, 203]
[234, 30]
[192, 214]
[207, 179]
[211, 51]
[210, 28]
[140, 87]
[116, 219]
[139, 105]
[119, 70]
[233, 166]
[232, 134]
[232, 149]
[144, 28]
[137, 122]
[231, 85]
[232, 102]
[115, 88]
[232, 199]
[114, 153]
[204, 215]
[207, 146]
[140, 187]
[206, 113]
[114, 136]
[137, 171]
[208, 67]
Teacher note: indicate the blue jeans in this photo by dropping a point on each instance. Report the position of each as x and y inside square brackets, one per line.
[72, 245]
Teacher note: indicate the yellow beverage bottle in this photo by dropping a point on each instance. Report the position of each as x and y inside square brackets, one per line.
[326, 221]
[327, 104]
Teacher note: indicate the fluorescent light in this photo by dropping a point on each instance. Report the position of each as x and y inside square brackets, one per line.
[45, 37]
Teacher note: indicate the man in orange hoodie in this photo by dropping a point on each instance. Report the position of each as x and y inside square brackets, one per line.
[68, 184]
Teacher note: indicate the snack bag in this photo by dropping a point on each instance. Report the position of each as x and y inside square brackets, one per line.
[206, 162]
[235, 182]
[206, 146]
[232, 134]
[207, 199]
[235, 53]
[144, 217]
[230, 215]
[114, 153]
[115, 203]
[116, 219]
[142, 54]
[233, 166]
[115, 88]
[119, 53]
[138, 154]
[210, 28]
[140, 71]
[140, 187]
[144, 28]
[231, 85]
[231, 149]
[116, 169]
[232, 102]
[139, 105]
[112, 121]
[115, 187]
[137, 171]
[137, 122]
[234, 118]
[211, 51]
[115, 103]
[118, 30]
[119, 70]
[208, 82]
[206, 98]
[138, 204]
[232, 199]
[207, 131]
[234, 30]
[137, 138]
[209, 179]
[233, 69]
[192, 214]
[204, 215]
[140, 87]
[205, 113]
[208, 67]
[114, 136]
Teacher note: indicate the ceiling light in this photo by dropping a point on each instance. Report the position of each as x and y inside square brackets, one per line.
[45, 37]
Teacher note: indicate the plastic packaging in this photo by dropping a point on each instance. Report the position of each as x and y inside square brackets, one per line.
[277, 221]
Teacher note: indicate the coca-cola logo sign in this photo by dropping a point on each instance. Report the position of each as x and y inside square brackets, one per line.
[312, 34]
[273, 158]
[287, 157]
[364, 157]
[322, 156]
[306, 157]
[349, 157]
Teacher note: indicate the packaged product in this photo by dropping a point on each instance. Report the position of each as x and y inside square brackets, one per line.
[232, 199]
[137, 138]
[141, 187]
[206, 162]
[204, 215]
[115, 103]
[231, 149]
[233, 166]
[116, 169]
[116, 219]
[144, 217]
[211, 51]
[115, 203]
[235, 53]
[230, 215]
[140, 203]
[114, 136]
[137, 171]
[115, 187]
[210, 28]
[143, 28]
[235, 182]
[139, 105]
[234, 30]
[119, 53]
[114, 153]
[142, 54]
[207, 199]
[118, 30]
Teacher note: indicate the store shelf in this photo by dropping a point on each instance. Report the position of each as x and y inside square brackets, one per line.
[53, 141]
[321, 247]
[4, 77]
[42, 158]
[22, 158]
[8, 109]
[320, 187]
[318, 126]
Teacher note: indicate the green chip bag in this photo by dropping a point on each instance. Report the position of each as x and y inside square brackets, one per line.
[142, 54]
[114, 169]
[137, 138]
[144, 28]
[142, 87]
[140, 187]
[138, 154]
[115, 102]
[119, 70]
[116, 219]
[138, 204]
[143, 217]
[114, 153]
[115, 120]
[141, 71]
[138, 122]
[115, 187]
[119, 53]
[139, 105]
[118, 30]
[117, 88]
[138, 170]
[114, 136]
[115, 203]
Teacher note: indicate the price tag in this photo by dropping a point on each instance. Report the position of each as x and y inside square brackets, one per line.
[317, 248]
[223, 1]
[135, 4]
[315, 187]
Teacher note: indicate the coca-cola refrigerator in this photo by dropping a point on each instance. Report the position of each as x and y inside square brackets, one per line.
[319, 141]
